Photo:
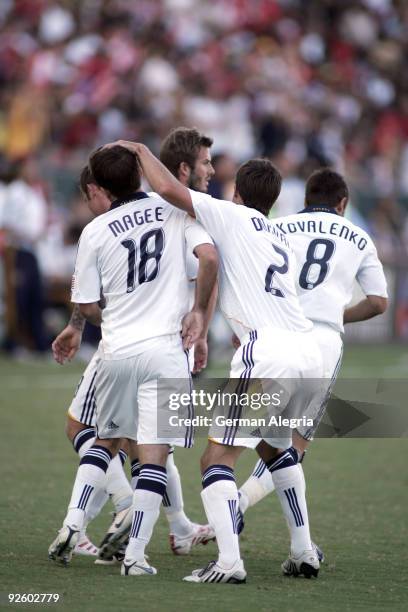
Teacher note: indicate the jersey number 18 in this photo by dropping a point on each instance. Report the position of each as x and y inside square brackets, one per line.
[156, 238]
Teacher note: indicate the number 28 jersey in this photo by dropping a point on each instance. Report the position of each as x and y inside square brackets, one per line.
[332, 253]
[257, 284]
[135, 256]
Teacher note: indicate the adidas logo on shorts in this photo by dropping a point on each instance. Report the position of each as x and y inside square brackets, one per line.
[113, 425]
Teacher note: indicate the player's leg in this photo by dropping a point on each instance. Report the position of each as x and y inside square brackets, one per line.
[290, 488]
[82, 438]
[167, 363]
[80, 430]
[147, 498]
[114, 393]
[184, 534]
[260, 482]
[89, 481]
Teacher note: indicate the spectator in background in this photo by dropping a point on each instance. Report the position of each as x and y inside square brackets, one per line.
[23, 218]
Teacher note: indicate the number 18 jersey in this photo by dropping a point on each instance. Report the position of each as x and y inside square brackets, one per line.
[331, 253]
[135, 256]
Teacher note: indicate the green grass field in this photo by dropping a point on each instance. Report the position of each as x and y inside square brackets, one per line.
[357, 494]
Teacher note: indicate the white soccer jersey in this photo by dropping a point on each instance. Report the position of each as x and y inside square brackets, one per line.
[331, 253]
[135, 255]
[257, 267]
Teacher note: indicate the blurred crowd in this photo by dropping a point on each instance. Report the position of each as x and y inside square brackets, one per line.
[306, 83]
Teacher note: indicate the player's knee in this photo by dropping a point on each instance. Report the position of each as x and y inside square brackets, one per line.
[215, 454]
[72, 428]
[111, 444]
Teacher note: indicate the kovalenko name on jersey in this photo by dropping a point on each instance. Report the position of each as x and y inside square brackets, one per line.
[138, 217]
[322, 227]
[261, 225]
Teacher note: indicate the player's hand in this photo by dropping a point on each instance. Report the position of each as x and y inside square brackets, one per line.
[200, 355]
[66, 344]
[236, 343]
[133, 147]
[191, 328]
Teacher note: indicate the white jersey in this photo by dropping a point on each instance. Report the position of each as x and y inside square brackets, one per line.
[135, 255]
[257, 267]
[191, 265]
[331, 254]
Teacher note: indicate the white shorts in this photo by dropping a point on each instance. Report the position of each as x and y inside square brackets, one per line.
[126, 394]
[82, 408]
[280, 361]
[331, 349]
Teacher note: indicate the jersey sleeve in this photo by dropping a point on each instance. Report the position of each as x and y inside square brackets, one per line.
[86, 281]
[370, 275]
[213, 214]
[195, 234]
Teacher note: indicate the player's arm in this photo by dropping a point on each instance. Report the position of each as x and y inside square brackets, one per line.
[195, 323]
[370, 276]
[92, 313]
[86, 282]
[67, 343]
[371, 306]
[208, 266]
[159, 178]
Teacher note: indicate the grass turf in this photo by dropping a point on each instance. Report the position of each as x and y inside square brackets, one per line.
[357, 495]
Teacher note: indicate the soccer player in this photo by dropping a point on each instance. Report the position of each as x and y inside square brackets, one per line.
[186, 152]
[136, 252]
[258, 298]
[331, 253]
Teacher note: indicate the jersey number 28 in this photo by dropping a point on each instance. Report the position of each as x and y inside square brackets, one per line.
[156, 238]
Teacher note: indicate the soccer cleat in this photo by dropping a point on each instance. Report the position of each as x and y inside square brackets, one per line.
[63, 546]
[117, 557]
[306, 564]
[215, 573]
[137, 568]
[319, 552]
[84, 546]
[116, 534]
[201, 534]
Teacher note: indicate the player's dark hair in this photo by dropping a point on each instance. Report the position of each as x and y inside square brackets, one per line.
[325, 187]
[116, 169]
[85, 179]
[258, 183]
[182, 145]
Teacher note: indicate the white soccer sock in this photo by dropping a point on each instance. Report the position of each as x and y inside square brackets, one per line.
[289, 484]
[95, 505]
[117, 485]
[258, 486]
[146, 502]
[90, 479]
[135, 471]
[173, 504]
[83, 442]
[220, 499]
